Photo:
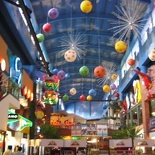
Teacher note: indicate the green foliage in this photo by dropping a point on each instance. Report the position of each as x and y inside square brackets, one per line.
[119, 134]
[114, 105]
[132, 131]
[129, 131]
[50, 132]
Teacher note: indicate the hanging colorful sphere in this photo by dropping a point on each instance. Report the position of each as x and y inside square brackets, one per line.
[40, 37]
[39, 114]
[65, 98]
[53, 13]
[113, 86]
[84, 71]
[99, 72]
[70, 55]
[131, 62]
[72, 91]
[151, 55]
[67, 75]
[47, 27]
[114, 76]
[106, 88]
[89, 98]
[86, 6]
[120, 46]
[55, 71]
[104, 106]
[61, 74]
[82, 98]
[92, 92]
[116, 95]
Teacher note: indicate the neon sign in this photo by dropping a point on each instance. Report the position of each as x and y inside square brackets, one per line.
[18, 124]
[15, 70]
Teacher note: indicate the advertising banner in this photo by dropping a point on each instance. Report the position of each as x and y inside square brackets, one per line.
[52, 143]
[120, 143]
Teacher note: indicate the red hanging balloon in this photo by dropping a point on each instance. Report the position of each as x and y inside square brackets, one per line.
[82, 98]
[116, 94]
[47, 27]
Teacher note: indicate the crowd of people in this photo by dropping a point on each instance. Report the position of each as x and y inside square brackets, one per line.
[17, 151]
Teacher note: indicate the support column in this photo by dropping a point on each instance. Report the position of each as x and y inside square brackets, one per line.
[145, 106]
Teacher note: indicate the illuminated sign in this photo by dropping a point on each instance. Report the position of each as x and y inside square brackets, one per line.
[12, 116]
[15, 70]
[3, 64]
[19, 124]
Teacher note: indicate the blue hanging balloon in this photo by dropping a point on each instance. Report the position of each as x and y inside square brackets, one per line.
[67, 75]
[55, 71]
[104, 106]
[92, 92]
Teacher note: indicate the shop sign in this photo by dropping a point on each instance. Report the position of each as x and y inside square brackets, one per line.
[15, 70]
[137, 91]
[152, 123]
[12, 116]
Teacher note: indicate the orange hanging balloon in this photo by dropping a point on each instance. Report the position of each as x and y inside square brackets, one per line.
[99, 72]
[131, 62]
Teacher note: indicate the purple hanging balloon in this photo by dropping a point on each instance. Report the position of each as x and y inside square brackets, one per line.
[61, 74]
[53, 13]
[113, 86]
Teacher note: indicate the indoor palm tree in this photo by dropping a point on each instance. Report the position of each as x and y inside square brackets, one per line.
[130, 131]
[50, 132]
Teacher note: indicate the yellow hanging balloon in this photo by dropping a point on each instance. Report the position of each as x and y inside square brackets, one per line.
[106, 88]
[89, 98]
[120, 46]
[114, 76]
[86, 6]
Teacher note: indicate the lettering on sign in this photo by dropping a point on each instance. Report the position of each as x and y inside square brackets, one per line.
[12, 116]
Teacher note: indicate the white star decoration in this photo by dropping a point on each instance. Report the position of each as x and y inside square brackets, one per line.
[130, 14]
[107, 78]
[74, 41]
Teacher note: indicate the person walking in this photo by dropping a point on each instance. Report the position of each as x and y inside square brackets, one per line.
[19, 152]
[8, 151]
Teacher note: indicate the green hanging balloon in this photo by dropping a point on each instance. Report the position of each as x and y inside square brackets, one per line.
[65, 98]
[84, 71]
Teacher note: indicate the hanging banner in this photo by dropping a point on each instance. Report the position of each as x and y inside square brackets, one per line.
[75, 143]
[52, 143]
[120, 143]
[144, 142]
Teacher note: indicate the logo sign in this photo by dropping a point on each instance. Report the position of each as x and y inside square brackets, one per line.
[12, 116]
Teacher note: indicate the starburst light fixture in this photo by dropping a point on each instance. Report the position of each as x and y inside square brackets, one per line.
[130, 17]
[74, 41]
[107, 78]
